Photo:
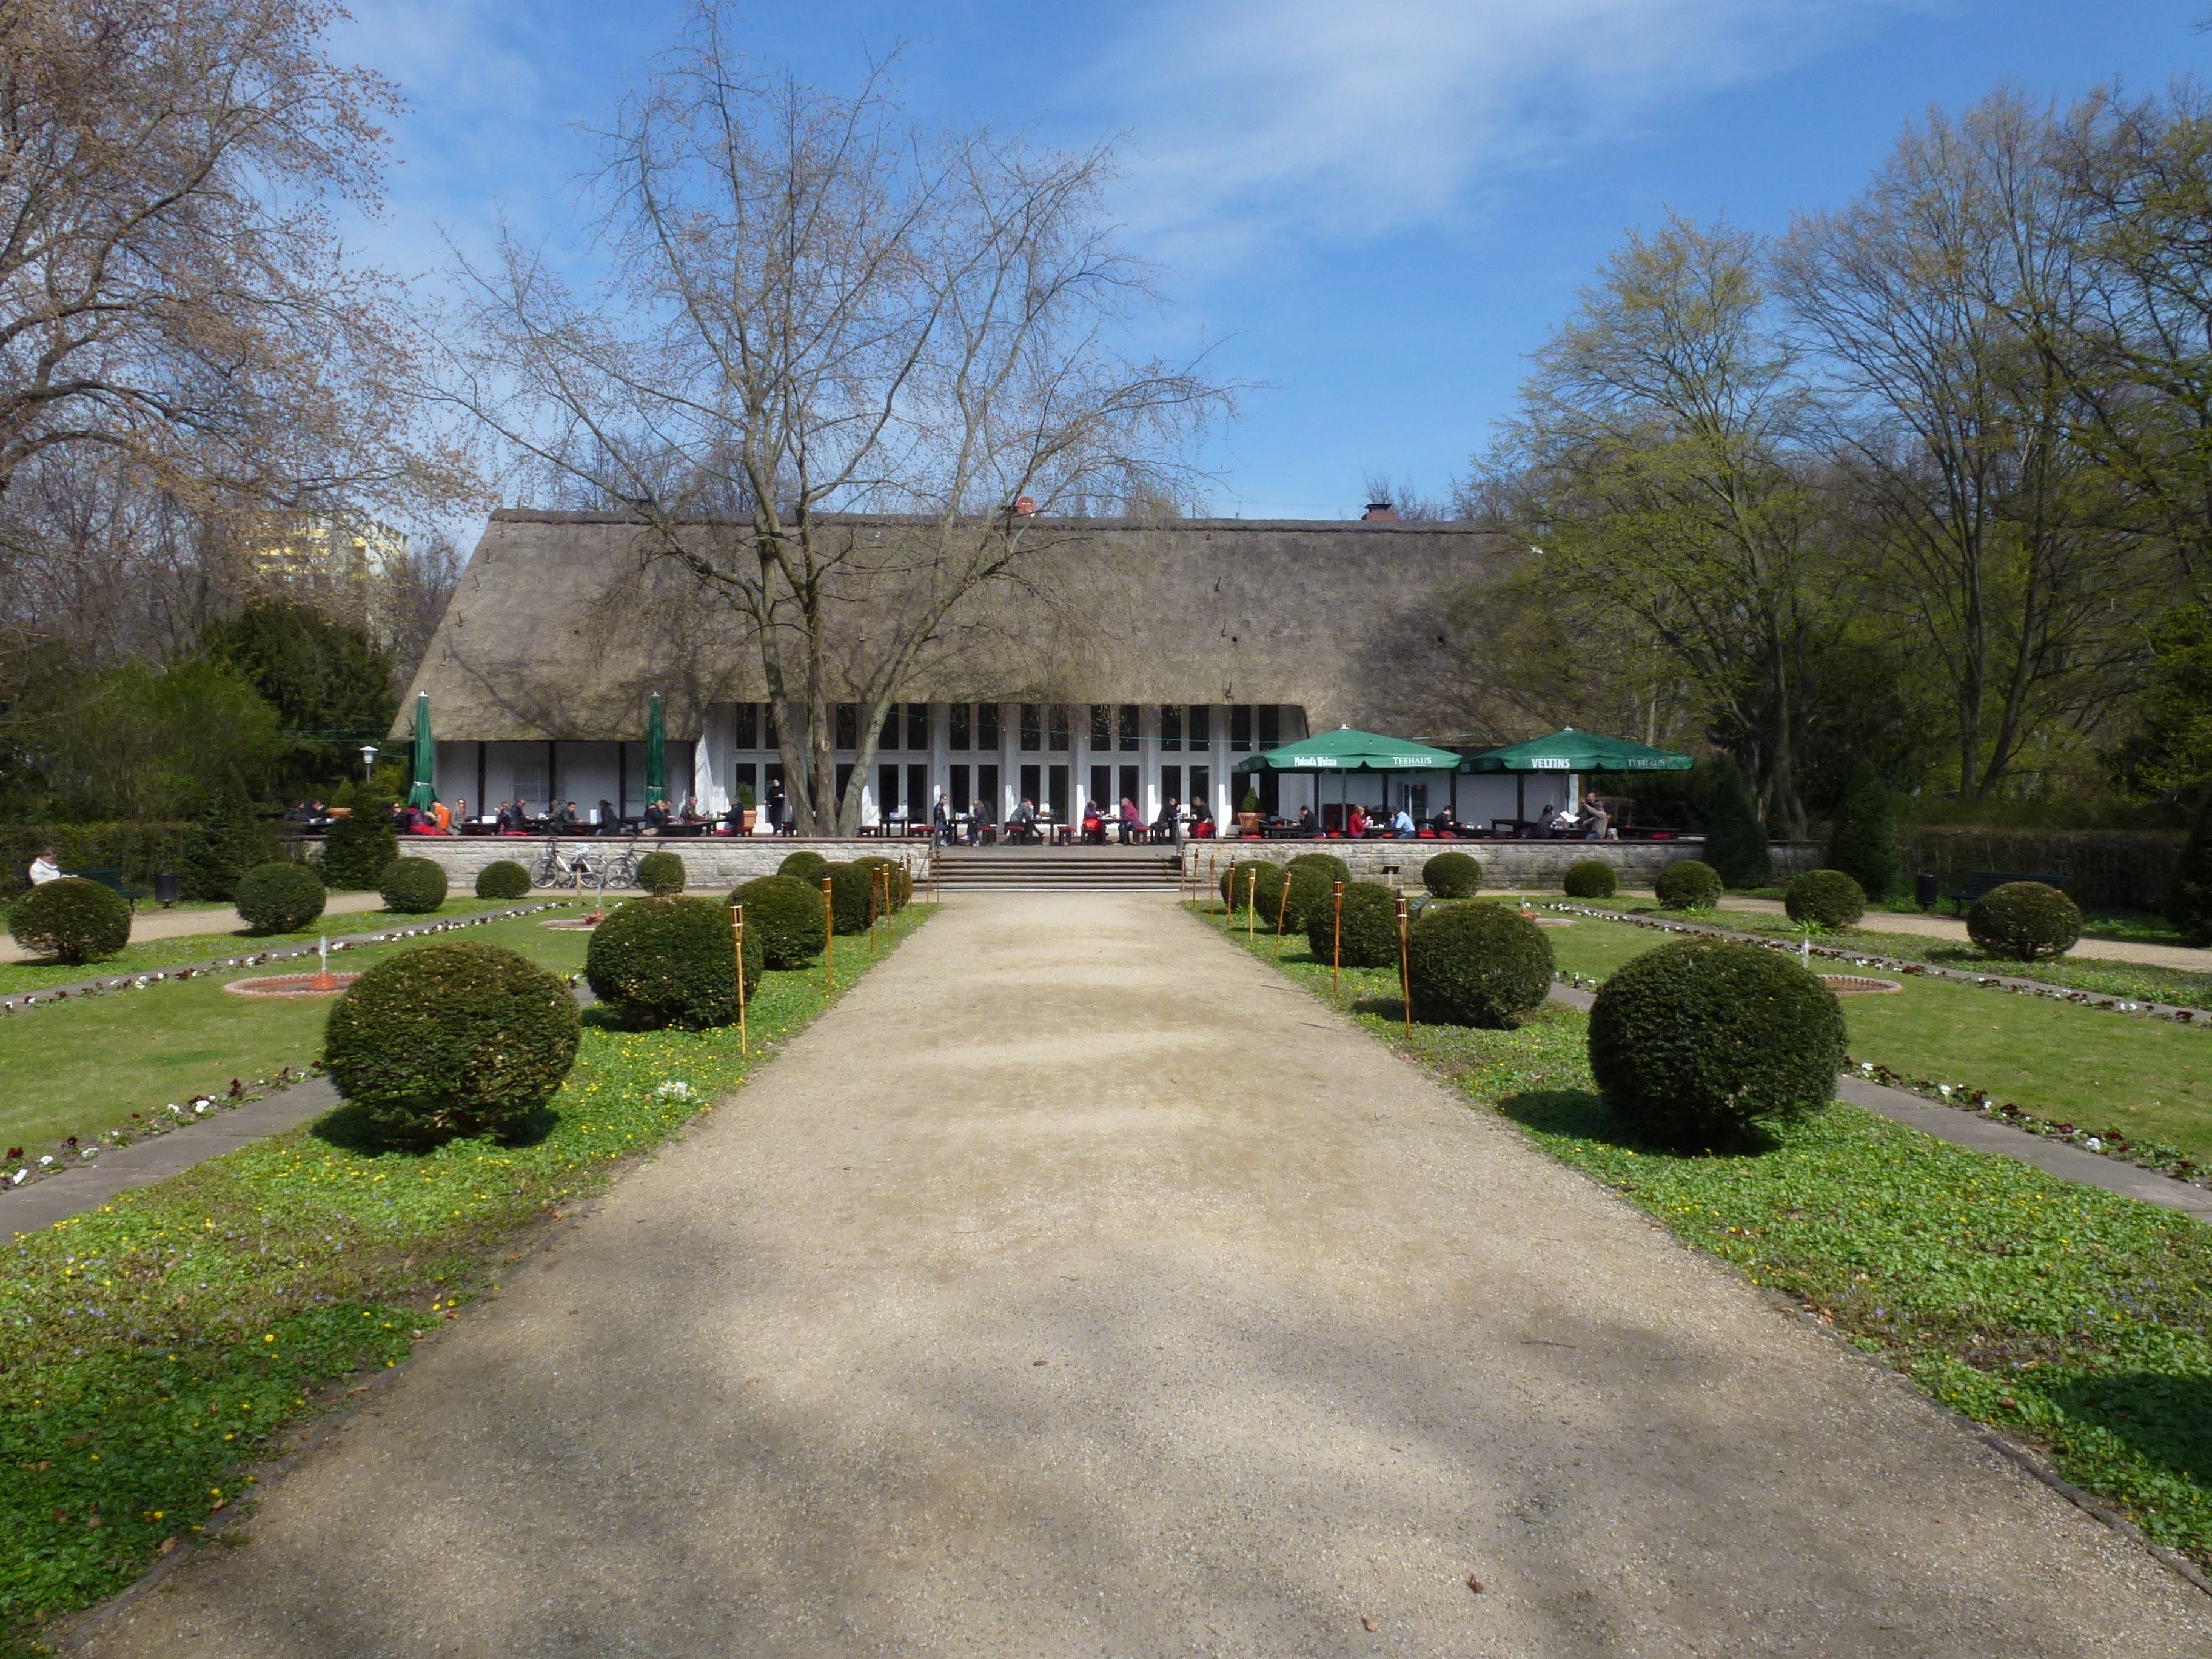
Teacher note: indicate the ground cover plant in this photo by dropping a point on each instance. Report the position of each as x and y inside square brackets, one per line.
[152, 1350]
[83, 1067]
[2069, 1318]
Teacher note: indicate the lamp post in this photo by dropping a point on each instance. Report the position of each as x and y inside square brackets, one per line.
[369, 762]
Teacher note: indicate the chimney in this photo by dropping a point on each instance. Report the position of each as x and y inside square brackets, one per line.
[1378, 510]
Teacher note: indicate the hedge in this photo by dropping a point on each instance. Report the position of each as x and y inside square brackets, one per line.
[2103, 869]
[141, 851]
[357, 851]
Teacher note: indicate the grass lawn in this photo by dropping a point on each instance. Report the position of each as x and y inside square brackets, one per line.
[17, 977]
[83, 1067]
[2148, 1078]
[2069, 1317]
[154, 1349]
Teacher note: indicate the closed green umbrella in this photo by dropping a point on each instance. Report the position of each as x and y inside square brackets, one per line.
[424, 789]
[656, 755]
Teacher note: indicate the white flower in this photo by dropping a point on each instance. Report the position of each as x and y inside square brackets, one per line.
[2093, 1144]
[177, 1109]
[199, 1105]
[675, 1089]
[19, 1177]
[88, 1152]
[46, 1160]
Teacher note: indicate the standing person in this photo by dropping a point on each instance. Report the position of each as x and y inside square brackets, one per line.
[46, 867]
[940, 819]
[778, 806]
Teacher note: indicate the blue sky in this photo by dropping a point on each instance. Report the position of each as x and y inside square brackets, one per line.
[1373, 212]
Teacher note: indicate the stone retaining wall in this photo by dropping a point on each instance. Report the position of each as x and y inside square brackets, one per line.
[1507, 865]
[712, 864]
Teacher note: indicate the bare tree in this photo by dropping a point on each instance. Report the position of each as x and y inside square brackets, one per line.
[813, 310]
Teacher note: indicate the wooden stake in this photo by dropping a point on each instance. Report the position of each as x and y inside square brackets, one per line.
[828, 938]
[1251, 891]
[1405, 967]
[1282, 909]
[737, 942]
[1336, 940]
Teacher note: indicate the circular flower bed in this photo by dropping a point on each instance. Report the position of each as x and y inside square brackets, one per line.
[291, 986]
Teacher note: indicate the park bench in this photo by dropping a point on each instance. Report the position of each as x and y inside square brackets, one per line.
[1982, 882]
[110, 877]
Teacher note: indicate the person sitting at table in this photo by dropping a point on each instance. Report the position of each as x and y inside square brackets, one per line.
[1022, 822]
[1201, 821]
[441, 819]
[1169, 825]
[656, 815]
[1597, 822]
[1307, 826]
[1094, 824]
[1130, 819]
[567, 821]
[1355, 820]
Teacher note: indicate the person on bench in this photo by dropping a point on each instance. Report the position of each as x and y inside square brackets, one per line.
[46, 867]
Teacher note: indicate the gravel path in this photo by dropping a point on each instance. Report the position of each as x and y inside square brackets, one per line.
[152, 923]
[1078, 1287]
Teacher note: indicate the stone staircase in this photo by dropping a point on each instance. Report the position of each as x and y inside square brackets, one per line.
[1056, 869]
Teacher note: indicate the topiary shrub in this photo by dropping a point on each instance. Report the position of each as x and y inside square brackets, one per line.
[1477, 964]
[502, 879]
[784, 914]
[1370, 927]
[2022, 920]
[1864, 845]
[414, 887]
[1735, 841]
[451, 1039]
[1688, 885]
[1291, 900]
[1827, 898]
[72, 920]
[852, 898]
[279, 898]
[899, 881]
[2189, 901]
[1699, 1040]
[358, 852]
[660, 874]
[1252, 879]
[671, 962]
[1337, 869]
[804, 866]
[1452, 875]
[1590, 878]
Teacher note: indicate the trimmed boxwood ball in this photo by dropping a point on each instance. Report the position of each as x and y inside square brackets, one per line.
[671, 962]
[785, 914]
[451, 1039]
[1688, 885]
[1477, 964]
[1829, 897]
[1252, 878]
[71, 919]
[1699, 1040]
[1452, 875]
[357, 851]
[804, 866]
[1590, 878]
[852, 897]
[1370, 927]
[901, 887]
[1296, 895]
[2022, 920]
[502, 879]
[413, 887]
[1337, 868]
[279, 898]
[660, 874]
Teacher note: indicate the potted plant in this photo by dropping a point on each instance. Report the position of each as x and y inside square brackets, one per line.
[745, 804]
[1247, 813]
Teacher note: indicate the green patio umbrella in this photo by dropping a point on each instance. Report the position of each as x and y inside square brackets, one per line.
[424, 789]
[1347, 750]
[656, 755]
[1569, 750]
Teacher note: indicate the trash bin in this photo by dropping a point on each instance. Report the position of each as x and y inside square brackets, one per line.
[1923, 889]
[165, 887]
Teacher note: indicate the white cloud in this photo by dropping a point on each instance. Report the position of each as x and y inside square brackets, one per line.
[1249, 120]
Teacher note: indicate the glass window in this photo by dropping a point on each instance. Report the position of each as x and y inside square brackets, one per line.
[956, 733]
[1201, 731]
[919, 800]
[987, 792]
[1032, 727]
[987, 730]
[1129, 723]
[917, 726]
[744, 725]
[1201, 788]
[1102, 788]
[1270, 724]
[886, 790]
[1102, 726]
[1056, 730]
[745, 780]
[769, 739]
[1171, 784]
[844, 781]
[1171, 725]
[1240, 725]
[1032, 783]
[847, 733]
[888, 738]
[960, 795]
[1056, 792]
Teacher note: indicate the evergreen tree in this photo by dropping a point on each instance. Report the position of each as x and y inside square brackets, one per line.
[226, 842]
[1735, 841]
[1864, 845]
[2189, 905]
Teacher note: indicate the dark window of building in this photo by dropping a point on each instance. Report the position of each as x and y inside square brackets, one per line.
[1171, 725]
[744, 775]
[987, 792]
[1240, 725]
[919, 800]
[886, 790]
[769, 739]
[844, 781]
[1032, 726]
[1270, 724]
[1056, 781]
[1131, 789]
[888, 738]
[847, 733]
[1271, 793]
[1201, 788]
[1102, 788]
[1171, 784]
[1102, 726]
[1056, 728]
[1032, 783]
[745, 726]
[956, 735]
[1202, 725]
[987, 725]
[961, 798]
[917, 726]
[1128, 725]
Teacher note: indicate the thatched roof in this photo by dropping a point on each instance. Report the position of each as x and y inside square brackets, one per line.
[562, 626]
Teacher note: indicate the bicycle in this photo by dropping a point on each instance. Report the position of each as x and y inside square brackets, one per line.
[552, 870]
